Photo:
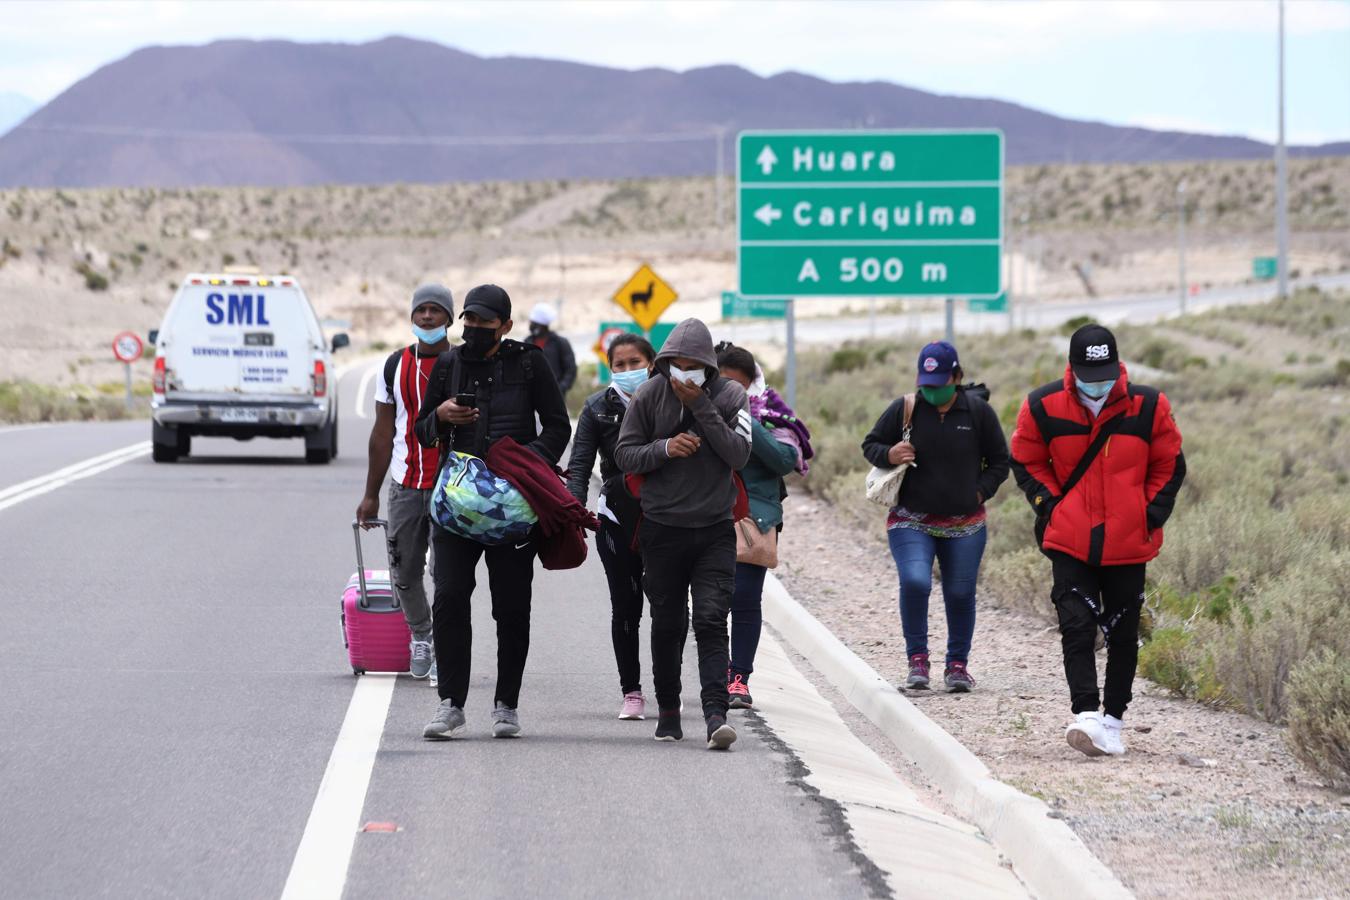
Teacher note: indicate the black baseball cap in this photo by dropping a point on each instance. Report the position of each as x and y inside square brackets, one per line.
[1092, 354]
[488, 301]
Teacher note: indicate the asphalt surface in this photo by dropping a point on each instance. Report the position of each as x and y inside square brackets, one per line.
[175, 681]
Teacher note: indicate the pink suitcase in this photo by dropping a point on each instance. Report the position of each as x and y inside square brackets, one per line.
[373, 628]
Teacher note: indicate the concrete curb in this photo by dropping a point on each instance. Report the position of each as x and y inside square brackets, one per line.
[1045, 852]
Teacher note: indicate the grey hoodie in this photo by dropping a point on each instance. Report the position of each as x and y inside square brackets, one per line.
[695, 491]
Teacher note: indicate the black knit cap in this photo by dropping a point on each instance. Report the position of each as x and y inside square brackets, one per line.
[488, 301]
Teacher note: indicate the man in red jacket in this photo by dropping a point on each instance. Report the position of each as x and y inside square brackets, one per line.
[1100, 461]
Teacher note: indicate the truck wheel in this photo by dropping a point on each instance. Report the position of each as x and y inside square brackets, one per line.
[335, 437]
[184, 443]
[321, 450]
[163, 453]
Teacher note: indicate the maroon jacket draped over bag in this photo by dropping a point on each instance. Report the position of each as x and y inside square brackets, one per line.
[562, 519]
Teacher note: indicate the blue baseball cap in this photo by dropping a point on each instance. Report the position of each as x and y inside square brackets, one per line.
[937, 361]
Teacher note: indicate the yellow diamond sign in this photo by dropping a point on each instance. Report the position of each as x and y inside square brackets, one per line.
[645, 296]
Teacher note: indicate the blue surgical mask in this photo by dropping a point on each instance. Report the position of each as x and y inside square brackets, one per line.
[630, 381]
[1095, 389]
[429, 336]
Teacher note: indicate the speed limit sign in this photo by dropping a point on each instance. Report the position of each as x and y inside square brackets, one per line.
[127, 347]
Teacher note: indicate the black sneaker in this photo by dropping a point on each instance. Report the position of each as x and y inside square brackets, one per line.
[720, 735]
[668, 726]
[738, 693]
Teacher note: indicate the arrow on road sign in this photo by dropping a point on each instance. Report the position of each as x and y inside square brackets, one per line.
[767, 159]
[768, 214]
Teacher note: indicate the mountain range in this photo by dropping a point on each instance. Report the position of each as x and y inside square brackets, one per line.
[404, 110]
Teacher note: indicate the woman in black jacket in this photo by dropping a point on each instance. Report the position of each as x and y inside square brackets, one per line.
[959, 458]
[630, 360]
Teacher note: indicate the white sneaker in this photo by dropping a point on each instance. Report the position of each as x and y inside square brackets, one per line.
[1114, 746]
[1086, 734]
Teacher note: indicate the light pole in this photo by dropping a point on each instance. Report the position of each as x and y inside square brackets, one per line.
[720, 136]
[1281, 185]
[1181, 241]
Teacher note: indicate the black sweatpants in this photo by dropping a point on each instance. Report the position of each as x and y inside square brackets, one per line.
[623, 569]
[681, 561]
[510, 580]
[1116, 588]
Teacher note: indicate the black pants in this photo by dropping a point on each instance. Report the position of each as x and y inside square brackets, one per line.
[510, 578]
[1115, 588]
[623, 568]
[681, 561]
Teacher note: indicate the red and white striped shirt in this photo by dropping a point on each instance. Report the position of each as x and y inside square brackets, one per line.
[412, 465]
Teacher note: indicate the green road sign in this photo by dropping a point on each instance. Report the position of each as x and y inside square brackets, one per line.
[660, 331]
[997, 304]
[870, 213]
[1265, 267]
[734, 306]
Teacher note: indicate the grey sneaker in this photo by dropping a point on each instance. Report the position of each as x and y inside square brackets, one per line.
[505, 722]
[423, 655]
[446, 724]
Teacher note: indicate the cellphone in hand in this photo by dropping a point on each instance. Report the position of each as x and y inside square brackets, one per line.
[466, 399]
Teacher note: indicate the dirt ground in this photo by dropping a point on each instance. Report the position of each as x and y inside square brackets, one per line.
[1205, 803]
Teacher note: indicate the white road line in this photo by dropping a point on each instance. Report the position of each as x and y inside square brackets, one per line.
[364, 389]
[36, 487]
[13, 428]
[319, 871]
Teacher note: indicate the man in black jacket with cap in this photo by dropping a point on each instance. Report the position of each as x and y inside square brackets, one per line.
[504, 386]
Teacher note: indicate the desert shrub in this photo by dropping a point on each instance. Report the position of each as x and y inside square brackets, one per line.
[1019, 579]
[93, 280]
[1319, 716]
[846, 359]
[1167, 659]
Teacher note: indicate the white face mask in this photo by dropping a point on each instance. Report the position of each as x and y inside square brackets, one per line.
[696, 377]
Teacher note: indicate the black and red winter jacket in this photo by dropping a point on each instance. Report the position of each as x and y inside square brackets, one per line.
[1114, 515]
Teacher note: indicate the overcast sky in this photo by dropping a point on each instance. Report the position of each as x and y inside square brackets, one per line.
[1199, 65]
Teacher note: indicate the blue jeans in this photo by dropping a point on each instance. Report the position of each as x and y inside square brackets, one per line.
[959, 564]
[747, 618]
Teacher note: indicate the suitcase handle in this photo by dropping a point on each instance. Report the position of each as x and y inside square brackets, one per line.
[360, 563]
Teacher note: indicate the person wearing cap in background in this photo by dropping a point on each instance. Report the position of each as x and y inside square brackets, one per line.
[959, 458]
[507, 391]
[1100, 461]
[557, 349]
[395, 450]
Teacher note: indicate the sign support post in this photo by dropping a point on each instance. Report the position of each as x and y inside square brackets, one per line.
[127, 347]
[951, 320]
[791, 378]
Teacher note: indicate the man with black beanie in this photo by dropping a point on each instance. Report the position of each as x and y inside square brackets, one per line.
[485, 389]
[1100, 461]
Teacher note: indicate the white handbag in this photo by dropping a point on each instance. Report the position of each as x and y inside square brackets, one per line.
[883, 485]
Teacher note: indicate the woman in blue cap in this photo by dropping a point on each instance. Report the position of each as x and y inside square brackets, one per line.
[954, 444]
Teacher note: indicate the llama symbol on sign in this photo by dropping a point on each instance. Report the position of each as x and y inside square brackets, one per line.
[642, 298]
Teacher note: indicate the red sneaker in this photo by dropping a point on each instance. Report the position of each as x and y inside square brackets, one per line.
[957, 679]
[918, 672]
[738, 693]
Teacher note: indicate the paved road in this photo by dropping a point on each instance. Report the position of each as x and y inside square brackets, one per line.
[175, 684]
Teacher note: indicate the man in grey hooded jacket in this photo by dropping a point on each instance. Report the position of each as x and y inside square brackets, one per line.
[687, 431]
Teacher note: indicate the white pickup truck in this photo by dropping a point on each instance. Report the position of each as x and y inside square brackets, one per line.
[243, 356]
